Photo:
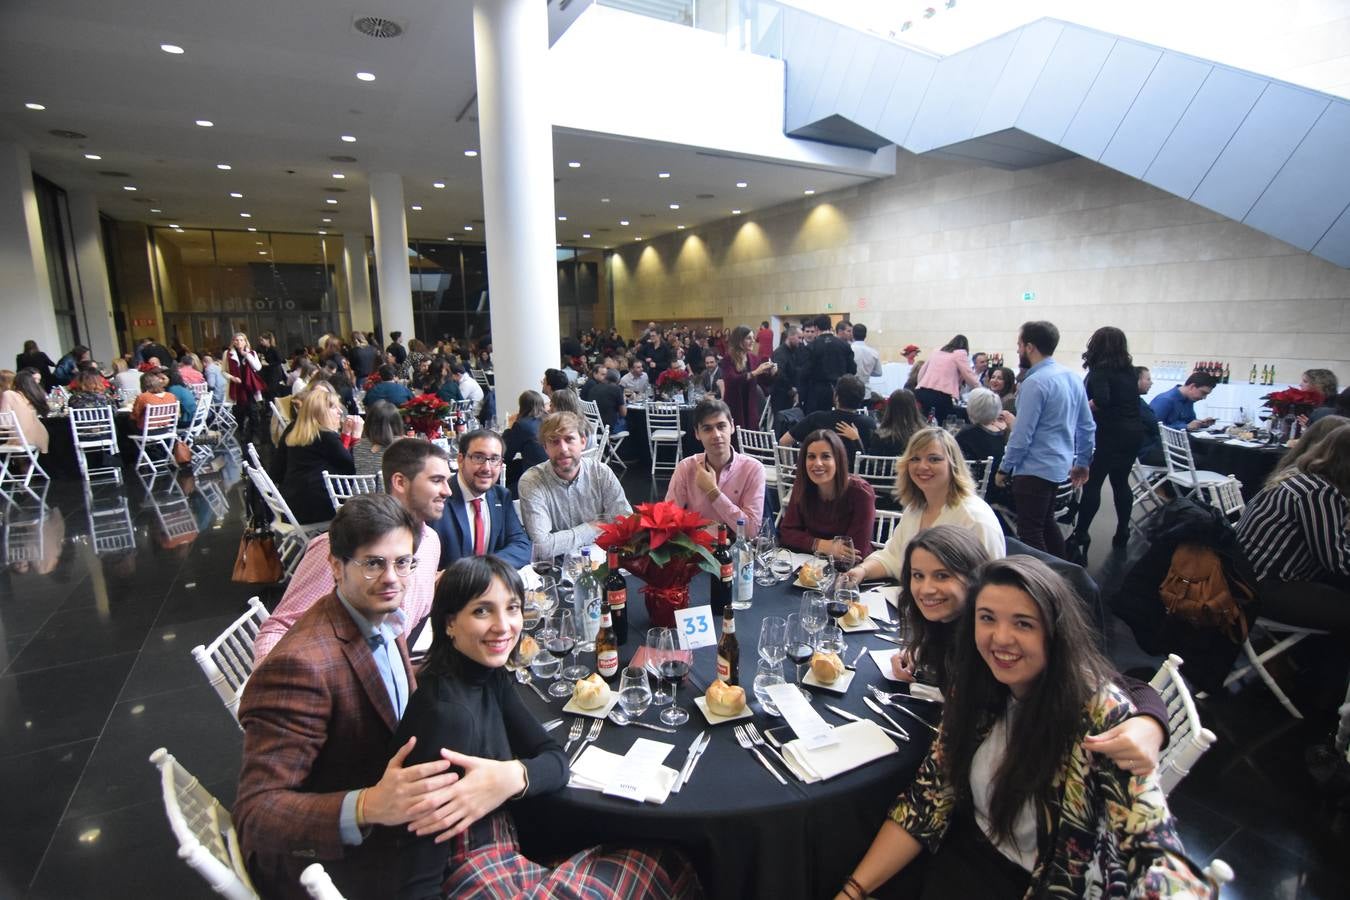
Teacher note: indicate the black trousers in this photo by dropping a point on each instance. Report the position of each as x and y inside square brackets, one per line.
[1114, 459]
[936, 403]
[1034, 499]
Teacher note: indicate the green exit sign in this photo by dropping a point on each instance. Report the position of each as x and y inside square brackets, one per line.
[1028, 296]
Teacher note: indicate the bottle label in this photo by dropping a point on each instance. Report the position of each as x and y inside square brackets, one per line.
[724, 668]
[607, 663]
[728, 626]
[618, 599]
[606, 621]
[726, 572]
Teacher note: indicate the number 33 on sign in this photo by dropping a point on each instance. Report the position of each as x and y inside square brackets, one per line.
[695, 627]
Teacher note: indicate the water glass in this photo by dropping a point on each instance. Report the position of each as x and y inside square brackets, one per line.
[773, 638]
[767, 674]
[781, 565]
[764, 548]
[635, 691]
[660, 696]
[831, 640]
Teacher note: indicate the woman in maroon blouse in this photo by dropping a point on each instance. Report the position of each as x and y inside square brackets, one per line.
[741, 376]
[827, 501]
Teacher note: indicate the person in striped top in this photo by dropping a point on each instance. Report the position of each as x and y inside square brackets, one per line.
[1296, 534]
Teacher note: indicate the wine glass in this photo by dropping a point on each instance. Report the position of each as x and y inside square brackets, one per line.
[545, 564]
[800, 642]
[764, 551]
[562, 642]
[540, 601]
[831, 640]
[842, 554]
[660, 696]
[824, 567]
[773, 638]
[674, 666]
[635, 691]
[813, 614]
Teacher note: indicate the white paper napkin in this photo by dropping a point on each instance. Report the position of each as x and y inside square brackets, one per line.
[1237, 443]
[926, 692]
[879, 602]
[859, 744]
[883, 660]
[800, 559]
[595, 770]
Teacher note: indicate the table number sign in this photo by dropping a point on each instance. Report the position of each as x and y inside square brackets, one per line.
[695, 627]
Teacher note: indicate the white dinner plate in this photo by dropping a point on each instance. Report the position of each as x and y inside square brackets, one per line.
[714, 719]
[840, 685]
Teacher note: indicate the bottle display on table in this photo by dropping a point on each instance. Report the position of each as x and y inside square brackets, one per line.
[616, 595]
[606, 645]
[743, 561]
[586, 603]
[729, 650]
[1251, 379]
[719, 594]
[1227, 373]
[1272, 375]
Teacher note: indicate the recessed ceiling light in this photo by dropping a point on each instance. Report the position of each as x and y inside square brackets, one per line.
[262, 252]
[574, 165]
[349, 138]
[450, 237]
[735, 212]
[808, 192]
[128, 187]
[339, 176]
[35, 106]
[662, 174]
[471, 153]
[741, 184]
[586, 234]
[562, 218]
[257, 243]
[679, 228]
[171, 48]
[623, 221]
[330, 201]
[323, 232]
[251, 228]
[674, 206]
[438, 185]
[92, 156]
[365, 76]
[468, 228]
[604, 199]
[236, 195]
[416, 208]
[205, 123]
[157, 210]
[328, 220]
[224, 167]
[246, 215]
[638, 238]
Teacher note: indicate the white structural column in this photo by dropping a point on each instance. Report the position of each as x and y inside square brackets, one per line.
[357, 276]
[515, 137]
[94, 293]
[391, 254]
[25, 291]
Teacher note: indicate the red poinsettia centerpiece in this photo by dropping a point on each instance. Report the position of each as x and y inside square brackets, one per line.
[665, 546]
[427, 414]
[1293, 401]
[672, 381]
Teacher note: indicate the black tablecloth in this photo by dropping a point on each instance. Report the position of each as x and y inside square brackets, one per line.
[1250, 465]
[636, 448]
[747, 835]
[59, 460]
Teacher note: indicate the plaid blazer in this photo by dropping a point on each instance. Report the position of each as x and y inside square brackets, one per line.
[317, 722]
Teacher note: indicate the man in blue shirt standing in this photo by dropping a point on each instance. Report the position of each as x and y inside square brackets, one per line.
[1176, 408]
[1051, 441]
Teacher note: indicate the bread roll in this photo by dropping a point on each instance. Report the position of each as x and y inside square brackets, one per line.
[591, 692]
[724, 699]
[856, 615]
[527, 650]
[809, 576]
[827, 667]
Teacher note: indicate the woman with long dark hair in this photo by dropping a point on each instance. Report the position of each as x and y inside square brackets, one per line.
[466, 709]
[900, 419]
[826, 501]
[21, 395]
[939, 385]
[33, 358]
[1113, 396]
[1010, 802]
[522, 438]
[742, 376]
[1003, 381]
[383, 425]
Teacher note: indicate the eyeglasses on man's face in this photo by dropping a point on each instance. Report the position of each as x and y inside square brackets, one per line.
[482, 459]
[373, 567]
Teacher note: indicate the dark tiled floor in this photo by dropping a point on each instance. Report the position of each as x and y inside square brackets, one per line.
[96, 673]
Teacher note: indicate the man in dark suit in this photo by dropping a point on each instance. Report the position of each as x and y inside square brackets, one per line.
[479, 517]
[317, 782]
[829, 359]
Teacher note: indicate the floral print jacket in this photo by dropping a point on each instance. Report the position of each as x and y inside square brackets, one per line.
[1107, 834]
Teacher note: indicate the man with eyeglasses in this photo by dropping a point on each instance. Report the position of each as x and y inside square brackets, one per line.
[479, 518]
[317, 783]
[416, 474]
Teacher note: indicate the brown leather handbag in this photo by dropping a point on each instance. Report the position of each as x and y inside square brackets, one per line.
[258, 561]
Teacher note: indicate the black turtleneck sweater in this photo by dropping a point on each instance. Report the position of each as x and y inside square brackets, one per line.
[478, 713]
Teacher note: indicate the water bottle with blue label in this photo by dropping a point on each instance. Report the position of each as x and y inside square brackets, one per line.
[743, 563]
[586, 603]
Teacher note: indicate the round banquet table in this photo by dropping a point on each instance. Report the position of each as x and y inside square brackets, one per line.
[638, 451]
[1250, 465]
[59, 460]
[748, 836]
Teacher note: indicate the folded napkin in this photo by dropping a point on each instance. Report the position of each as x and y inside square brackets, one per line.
[859, 744]
[1237, 443]
[925, 692]
[799, 559]
[596, 768]
[879, 601]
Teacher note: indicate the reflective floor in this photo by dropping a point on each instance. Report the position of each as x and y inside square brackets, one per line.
[103, 598]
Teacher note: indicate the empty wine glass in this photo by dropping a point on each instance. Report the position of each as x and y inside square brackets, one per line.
[674, 667]
[540, 602]
[812, 612]
[764, 550]
[831, 640]
[767, 674]
[562, 642]
[635, 691]
[824, 568]
[772, 638]
[660, 696]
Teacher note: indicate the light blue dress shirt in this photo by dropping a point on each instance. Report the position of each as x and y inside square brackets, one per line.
[1054, 429]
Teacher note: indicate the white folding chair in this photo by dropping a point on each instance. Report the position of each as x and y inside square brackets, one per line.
[1188, 739]
[611, 456]
[195, 436]
[1181, 469]
[595, 450]
[158, 429]
[785, 465]
[1283, 637]
[94, 430]
[981, 472]
[227, 661]
[342, 488]
[294, 536]
[760, 444]
[591, 410]
[202, 393]
[766, 417]
[206, 838]
[14, 444]
[222, 416]
[1226, 497]
[1143, 489]
[316, 880]
[1066, 498]
[278, 416]
[466, 408]
[663, 429]
[878, 471]
[480, 376]
[886, 521]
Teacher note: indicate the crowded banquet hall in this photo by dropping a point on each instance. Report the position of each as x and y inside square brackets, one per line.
[675, 449]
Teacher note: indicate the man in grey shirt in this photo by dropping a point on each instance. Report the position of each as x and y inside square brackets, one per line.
[563, 501]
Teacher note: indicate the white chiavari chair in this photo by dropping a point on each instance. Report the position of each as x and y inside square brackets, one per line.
[663, 430]
[94, 430]
[1188, 740]
[159, 429]
[18, 459]
[785, 465]
[342, 488]
[206, 837]
[1181, 469]
[227, 661]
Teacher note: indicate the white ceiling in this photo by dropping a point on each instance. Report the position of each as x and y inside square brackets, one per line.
[278, 80]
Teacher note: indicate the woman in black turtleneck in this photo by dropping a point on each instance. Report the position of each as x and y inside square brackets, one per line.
[466, 703]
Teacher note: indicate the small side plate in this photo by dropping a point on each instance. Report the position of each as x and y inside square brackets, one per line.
[840, 685]
[714, 719]
[598, 713]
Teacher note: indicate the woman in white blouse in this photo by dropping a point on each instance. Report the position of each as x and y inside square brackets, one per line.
[934, 487]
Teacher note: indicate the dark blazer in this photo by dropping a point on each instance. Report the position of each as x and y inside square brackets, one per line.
[523, 438]
[507, 539]
[298, 472]
[317, 723]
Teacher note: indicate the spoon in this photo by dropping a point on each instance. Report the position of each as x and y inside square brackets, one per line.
[524, 677]
[620, 718]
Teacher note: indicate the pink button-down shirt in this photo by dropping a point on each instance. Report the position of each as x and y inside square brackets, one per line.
[313, 580]
[741, 484]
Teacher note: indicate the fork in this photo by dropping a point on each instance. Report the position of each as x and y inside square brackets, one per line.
[574, 732]
[887, 700]
[744, 740]
[590, 739]
[755, 738]
[524, 677]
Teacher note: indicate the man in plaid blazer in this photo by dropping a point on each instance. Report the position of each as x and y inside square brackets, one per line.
[317, 783]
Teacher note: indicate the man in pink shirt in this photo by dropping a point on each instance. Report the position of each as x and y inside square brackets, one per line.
[719, 484]
[417, 475]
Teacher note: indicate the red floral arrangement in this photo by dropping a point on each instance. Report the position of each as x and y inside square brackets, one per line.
[1293, 401]
[149, 367]
[672, 381]
[373, 380]
[665, 546]
[427, 414]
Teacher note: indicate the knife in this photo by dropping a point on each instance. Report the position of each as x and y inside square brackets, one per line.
[875, 707]
[690, 755]
[552, 724]
[698, 755]
[845, 714]
[886, 637]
